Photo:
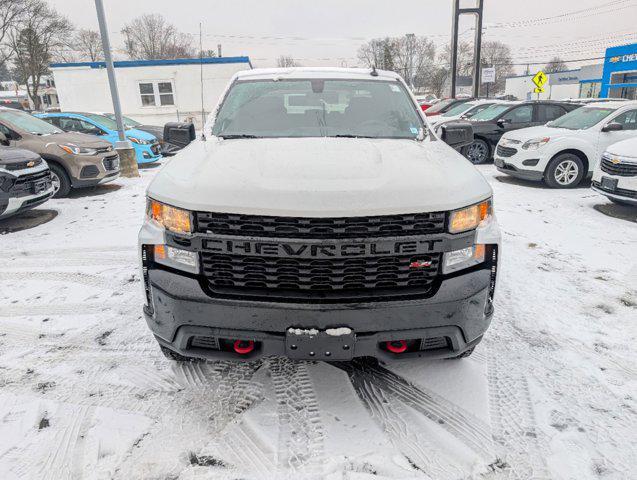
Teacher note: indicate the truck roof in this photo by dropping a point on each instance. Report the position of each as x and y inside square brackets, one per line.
[315, 72]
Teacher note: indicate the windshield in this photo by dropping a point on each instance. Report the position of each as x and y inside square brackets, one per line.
[581, 118]
[441, 105]
[28, 123]
[490, 113]
[318, 108]
[128, 122]
[477, 109]
[458, 109]
[102, 120]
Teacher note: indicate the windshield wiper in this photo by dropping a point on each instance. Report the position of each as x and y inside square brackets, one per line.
[345, 135]
[238, 135]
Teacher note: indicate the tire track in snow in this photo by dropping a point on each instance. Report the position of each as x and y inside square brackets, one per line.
[71, 277]
[243, 449]
[301, 431]
[474, 433]
[17, 310]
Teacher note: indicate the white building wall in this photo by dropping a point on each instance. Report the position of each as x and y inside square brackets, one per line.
[83, 88]
[522, 88]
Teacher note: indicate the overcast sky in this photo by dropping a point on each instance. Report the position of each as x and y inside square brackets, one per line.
[329, 32]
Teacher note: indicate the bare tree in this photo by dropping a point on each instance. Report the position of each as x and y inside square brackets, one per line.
[151, 37]
[556, 64]
[88, 44]
[436, 80]
[286, 61]
[496, 54]
[464, 59]
[40, 32]
[10, 14]
[380, 53]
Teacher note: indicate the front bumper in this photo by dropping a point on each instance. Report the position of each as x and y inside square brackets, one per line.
[19, 204]
[510, 169]
[622, 188]
[180, 311]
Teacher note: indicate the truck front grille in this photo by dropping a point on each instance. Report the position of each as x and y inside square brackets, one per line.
[325, 278]
[321, 228]
[619, 169]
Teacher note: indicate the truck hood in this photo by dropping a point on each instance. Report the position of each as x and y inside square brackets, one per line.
[319, 177]
[625, 148]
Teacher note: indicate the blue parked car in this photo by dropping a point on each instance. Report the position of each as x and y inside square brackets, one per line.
[147, 148]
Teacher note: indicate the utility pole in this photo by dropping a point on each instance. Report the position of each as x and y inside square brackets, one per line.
[127, 157]
[477, 46]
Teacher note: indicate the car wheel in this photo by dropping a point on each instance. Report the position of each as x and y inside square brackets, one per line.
[60, 180]
[564, 171]
[174, 356]
[478, 152]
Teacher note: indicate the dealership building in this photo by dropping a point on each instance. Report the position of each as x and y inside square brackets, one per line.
[150, 91]
[616, 77]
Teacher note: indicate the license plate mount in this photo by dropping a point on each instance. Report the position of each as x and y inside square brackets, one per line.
[336, 344]
[609, 183]
[39, 186]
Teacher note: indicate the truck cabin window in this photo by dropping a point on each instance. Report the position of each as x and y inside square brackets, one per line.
[318, 108]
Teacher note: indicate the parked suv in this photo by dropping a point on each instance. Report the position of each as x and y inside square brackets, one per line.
[343, 230]
[76, 160]
[25, 181]
[616, 175]
[444, 105]
[565, 151]
[491, 123]
[147, 148]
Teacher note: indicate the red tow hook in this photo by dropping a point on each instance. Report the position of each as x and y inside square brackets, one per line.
[396, 346]
[243, 347]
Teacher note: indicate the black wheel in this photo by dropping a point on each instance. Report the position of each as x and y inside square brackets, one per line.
[478, 152]
[564, 171]
[61, 181]
[464, 354]
[174, 356]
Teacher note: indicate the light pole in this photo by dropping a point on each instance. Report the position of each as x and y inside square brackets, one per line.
[127, 158]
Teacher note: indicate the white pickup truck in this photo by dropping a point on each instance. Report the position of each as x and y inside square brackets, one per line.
[319, 218]
[565, 151]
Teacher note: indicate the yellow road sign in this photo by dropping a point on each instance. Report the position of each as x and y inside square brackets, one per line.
[540, 79]
[538, 90]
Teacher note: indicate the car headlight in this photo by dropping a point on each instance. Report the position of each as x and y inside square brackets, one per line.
[535, 143]
[171, 218]
[76, 149]
[470, 217]
[139, 141]
[463, 258]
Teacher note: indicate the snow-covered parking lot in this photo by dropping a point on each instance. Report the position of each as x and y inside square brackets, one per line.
[550, 394]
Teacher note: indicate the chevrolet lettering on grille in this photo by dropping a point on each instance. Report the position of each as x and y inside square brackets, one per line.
[321, 249]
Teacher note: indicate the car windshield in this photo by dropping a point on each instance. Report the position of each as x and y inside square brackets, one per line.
[490, 113]
[581, 118]
[476, 109]
[318, 108]
[28, 123]
[458, 109]
[102, 120]
[441, 105]
[128, 122]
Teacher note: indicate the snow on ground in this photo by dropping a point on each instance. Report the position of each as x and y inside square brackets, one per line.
[550, 394]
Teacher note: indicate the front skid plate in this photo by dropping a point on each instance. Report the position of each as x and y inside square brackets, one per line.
[318, 345]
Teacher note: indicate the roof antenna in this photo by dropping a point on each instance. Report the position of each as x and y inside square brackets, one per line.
[203, 112]
[373, 73]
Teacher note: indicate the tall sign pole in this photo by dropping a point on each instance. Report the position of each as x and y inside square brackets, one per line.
[477, 47]
[128, 160]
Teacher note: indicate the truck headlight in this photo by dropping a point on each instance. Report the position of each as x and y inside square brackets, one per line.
[463, 258]
[470, 217]
[176, 258]
[535, 143]
[171, 218]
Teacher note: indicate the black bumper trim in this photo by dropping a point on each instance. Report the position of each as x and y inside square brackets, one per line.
[532, 175]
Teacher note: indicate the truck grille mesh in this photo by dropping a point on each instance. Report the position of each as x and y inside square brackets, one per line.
[321, 228]
[619, 169]
[348, 276]
[506, 151]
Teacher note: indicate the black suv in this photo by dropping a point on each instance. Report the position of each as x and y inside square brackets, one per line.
[445, 105]
[491, 123]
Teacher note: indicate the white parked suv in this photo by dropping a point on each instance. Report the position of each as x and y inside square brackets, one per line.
[565, 151]
[616, 175]
[340, 230]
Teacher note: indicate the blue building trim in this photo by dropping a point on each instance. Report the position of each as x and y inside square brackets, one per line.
[591, 80]
[618, 59]
[156, 63]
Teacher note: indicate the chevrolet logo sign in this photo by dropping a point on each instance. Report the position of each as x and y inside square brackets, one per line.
[615, 161]
[615, 59]
[31, 164]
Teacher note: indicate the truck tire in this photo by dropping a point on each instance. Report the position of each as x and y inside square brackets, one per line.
[175, 357]
[566, 170]
[61, 181]
[478, 152]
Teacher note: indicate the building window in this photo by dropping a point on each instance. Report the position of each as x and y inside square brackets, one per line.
[590, 89]
[156, 93]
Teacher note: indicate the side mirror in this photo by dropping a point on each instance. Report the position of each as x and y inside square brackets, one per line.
[3, 139]
[502, 122]
[612, 127]
[179, 133]
[456, 134]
